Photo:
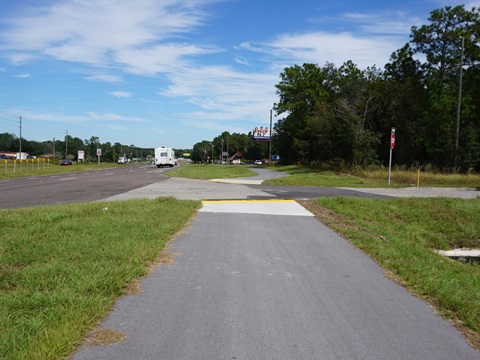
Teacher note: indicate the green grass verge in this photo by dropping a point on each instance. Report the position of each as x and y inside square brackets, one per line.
[62, 267]
[7, 170]
[401, 235]
[209, 171]
[302, 176]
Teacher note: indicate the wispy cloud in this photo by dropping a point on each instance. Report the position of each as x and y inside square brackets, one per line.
[121, 94]
[320, 47]
[106, 33]
[22, 76]
[105, 78]
[83, 118]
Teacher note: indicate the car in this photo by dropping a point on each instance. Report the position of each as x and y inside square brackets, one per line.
[66, 162]
[258, 162]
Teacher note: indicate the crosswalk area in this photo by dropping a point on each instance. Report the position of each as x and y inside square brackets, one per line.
[265, 207]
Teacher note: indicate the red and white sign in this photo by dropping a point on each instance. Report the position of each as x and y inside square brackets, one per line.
[392, 139]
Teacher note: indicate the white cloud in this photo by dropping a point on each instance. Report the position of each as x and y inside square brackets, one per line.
[105, 78]
[223, 94]
[22, 76]
[391, 23]
[121, 94]
[320, 47]
[90, 116]
[107, 33]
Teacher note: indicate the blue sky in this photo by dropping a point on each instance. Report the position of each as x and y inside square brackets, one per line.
[176, 72]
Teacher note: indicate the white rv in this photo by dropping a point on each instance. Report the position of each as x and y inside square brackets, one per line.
[122, 160]
[164, 156]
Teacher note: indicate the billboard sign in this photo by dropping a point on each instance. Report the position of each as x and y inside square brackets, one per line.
[261, 133]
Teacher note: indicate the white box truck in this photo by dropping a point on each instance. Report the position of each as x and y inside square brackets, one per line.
[164, 156]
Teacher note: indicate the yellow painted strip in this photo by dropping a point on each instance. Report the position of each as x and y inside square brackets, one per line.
[245, 201]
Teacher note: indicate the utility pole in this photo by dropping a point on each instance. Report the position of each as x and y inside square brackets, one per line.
[20, 117]
[66, 143]
[459, 105]
[53, 153]
[221, 162]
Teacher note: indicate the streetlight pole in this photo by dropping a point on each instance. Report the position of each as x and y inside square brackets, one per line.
[459, 105]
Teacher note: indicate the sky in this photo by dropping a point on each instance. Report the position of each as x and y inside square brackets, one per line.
[173, 73]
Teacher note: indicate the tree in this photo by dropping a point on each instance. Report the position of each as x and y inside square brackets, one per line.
[440, 42]
[302, 97]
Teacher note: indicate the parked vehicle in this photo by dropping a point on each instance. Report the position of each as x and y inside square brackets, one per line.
[164, 156]
[258, 162]
[66, 162]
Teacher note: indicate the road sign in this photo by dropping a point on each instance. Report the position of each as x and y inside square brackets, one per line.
[392, 139]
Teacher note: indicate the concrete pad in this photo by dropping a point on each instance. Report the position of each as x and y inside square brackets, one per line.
[265, 207]
[238, 181]
[460, 253]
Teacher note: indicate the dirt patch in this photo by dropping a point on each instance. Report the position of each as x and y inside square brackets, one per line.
[332, 219]
[133, 288]
[165, 257]
[103, 337]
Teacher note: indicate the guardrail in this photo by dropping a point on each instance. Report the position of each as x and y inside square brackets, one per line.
[28, 164]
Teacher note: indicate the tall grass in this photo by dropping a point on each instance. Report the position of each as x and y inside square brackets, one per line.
[62, 267]
[402, 176]
[372, 177]
[209, 171]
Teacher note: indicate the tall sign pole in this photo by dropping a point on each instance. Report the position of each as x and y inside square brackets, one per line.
[270, 141]
[392, 145]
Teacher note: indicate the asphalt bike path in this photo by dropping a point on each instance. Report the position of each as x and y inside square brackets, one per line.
[264, 279]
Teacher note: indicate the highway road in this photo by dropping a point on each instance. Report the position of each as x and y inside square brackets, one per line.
[144, 181]
[76, 187]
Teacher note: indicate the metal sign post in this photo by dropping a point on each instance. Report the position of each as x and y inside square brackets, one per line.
[99, 153]
[392, 145]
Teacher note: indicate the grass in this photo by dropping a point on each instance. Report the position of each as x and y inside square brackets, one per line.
[41, 168]
[301, 176]
[402, 234]
[408, 177]
[62, 267]
[207, 172]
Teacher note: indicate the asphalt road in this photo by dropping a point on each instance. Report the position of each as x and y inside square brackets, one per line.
[250, 285]
[143, 181]
[76, 187]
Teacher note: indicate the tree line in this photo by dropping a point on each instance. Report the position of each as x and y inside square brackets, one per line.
[227, 145]
[69, 147]
[344, 115]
